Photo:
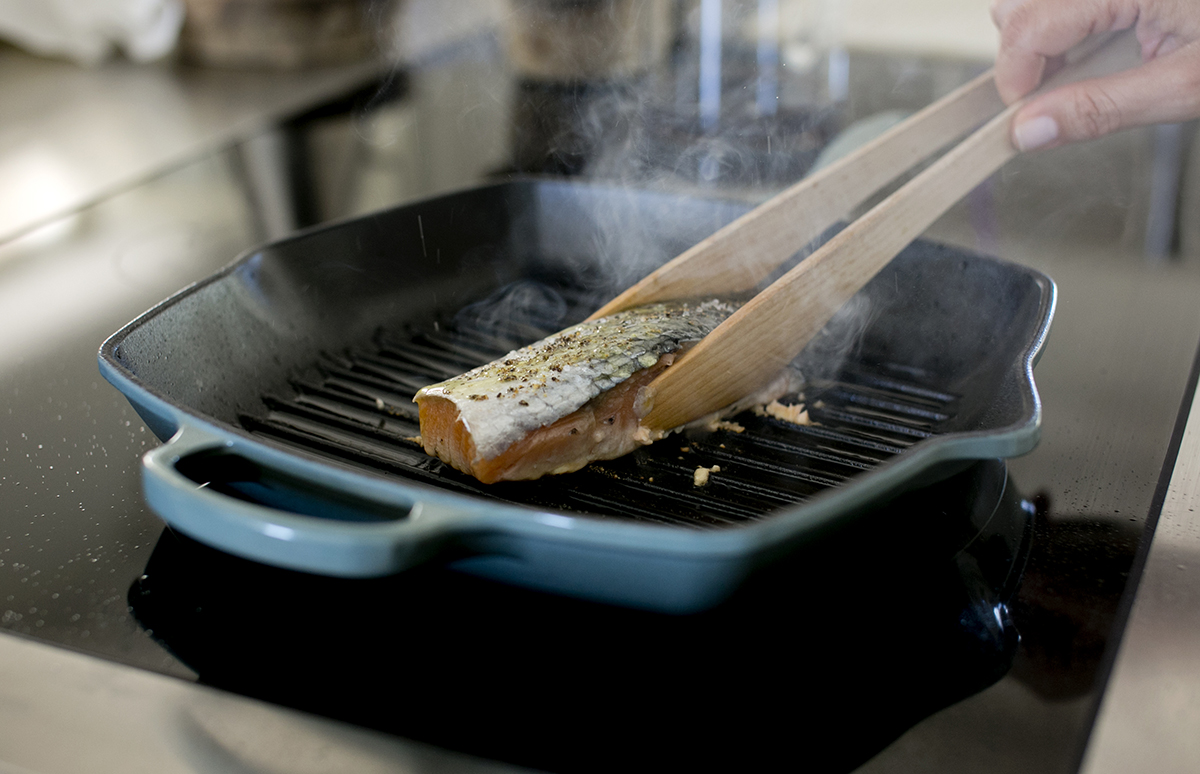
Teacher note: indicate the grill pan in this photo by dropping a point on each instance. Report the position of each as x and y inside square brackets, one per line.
[282, 387]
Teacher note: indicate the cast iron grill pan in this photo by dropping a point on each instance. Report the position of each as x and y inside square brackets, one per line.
[283, 384]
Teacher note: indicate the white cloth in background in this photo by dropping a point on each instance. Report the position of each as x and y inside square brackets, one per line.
[88, 31]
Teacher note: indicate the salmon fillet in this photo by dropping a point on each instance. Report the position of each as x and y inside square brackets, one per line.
[604, 428]
[562, 402]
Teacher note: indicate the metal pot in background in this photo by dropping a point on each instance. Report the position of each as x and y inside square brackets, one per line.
[649, 91]
[580, 66]
[568, 41]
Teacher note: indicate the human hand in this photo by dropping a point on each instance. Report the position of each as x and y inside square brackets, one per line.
[1034, 35]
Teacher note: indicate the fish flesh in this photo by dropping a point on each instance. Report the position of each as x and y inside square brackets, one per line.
[571, 398]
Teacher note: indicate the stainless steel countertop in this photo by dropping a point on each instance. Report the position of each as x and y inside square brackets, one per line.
[1150, 713]
[70, 136]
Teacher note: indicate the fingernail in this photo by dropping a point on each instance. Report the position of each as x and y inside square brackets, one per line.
[1035, 133]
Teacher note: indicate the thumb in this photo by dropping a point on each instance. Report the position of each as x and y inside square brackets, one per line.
[1166, 89]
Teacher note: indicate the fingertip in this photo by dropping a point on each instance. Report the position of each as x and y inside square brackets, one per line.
[997, 9]
[1034, 132]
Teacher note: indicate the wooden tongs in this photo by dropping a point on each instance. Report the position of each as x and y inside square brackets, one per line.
[753, 346]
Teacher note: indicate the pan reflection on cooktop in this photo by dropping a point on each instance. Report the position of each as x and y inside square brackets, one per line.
[824, 658]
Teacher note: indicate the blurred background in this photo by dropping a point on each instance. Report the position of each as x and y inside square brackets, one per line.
[433, 96]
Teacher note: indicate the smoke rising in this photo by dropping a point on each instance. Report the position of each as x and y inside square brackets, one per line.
[646, 128]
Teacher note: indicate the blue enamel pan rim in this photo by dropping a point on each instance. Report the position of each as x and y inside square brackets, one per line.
[195, 432]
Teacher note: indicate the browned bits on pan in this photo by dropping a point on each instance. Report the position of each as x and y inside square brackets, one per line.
[477, 397]
[523, 402]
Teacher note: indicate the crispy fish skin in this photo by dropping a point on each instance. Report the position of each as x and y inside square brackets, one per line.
[561, 402]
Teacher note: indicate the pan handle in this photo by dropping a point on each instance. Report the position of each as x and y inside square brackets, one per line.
[200, 484]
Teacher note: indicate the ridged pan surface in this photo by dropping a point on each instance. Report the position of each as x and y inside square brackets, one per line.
[285, 386]
[358, 408]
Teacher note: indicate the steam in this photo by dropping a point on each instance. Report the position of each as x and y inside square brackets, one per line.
[709, 115]
[515, 308]
[839, 340]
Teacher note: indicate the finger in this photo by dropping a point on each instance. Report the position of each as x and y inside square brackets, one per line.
[1033, 32]
[1018, 72]
[1002, 10]
[1164, 90]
